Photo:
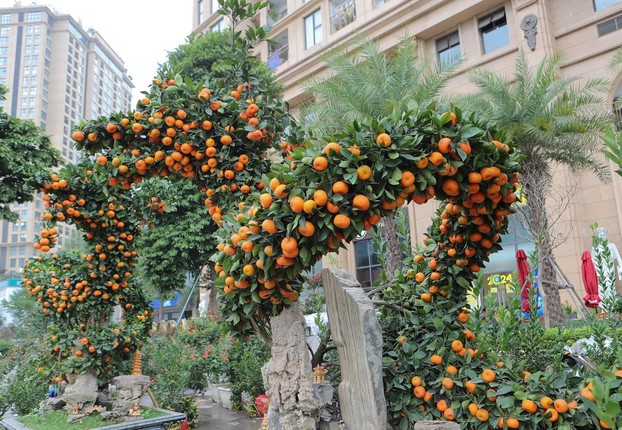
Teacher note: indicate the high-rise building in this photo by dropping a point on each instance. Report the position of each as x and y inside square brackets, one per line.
[487, 34]
[57, 74]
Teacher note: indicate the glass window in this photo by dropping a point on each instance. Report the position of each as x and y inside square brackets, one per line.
[4, 40]
[342, 13]
[5, 18]
[493, 30]
[448, 49]
[277, 9]
[201, 11]
[13, 262]
[13, 251]
[214, 6]
[4, 31]
[22, 250]
[219, 26]
[313, 29]
[602, 4]
[368, 267]
[33, 16]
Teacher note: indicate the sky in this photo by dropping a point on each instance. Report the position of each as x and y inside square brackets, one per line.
[141, 32]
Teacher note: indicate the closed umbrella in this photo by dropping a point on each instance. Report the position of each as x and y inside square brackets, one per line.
[590, 281]
[523, 277]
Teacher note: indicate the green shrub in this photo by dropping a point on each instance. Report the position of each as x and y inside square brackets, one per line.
[166, 362]
[28, 382]
[187, 405]
[247, 359]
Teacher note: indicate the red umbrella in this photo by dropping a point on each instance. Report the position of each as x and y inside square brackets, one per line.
[590, 281]
[523, 277]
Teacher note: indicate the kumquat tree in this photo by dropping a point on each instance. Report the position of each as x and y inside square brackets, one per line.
[275, 219]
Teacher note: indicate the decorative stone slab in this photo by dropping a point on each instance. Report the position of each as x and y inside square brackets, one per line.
[159, 423]
[355, 329]
[436, 425]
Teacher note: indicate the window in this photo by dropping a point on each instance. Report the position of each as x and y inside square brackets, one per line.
[4, 40]
[219, 26]
[366, 259]
[279, 51]
[448, 49]
[342, 13]
[493, 30]
[4, 31]
[200, 11]
[5, 18]
[14, 251]
[33, 16]
[277, 9]
[601, 4]
[313, 29]
[214, 6]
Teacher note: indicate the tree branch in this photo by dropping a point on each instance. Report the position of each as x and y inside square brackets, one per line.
[391, 305]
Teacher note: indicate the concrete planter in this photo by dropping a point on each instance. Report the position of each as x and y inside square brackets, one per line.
[215, 391]
[159, 423]
[225, 396]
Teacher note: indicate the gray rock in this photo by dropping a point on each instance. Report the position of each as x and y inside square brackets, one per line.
[357, 334]
[51, 404]
[80, 389]
[323, 393]
[130, 389]
[436, 425]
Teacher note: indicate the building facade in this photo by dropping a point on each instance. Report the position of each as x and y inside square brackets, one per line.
[487, 34]
[57, 73]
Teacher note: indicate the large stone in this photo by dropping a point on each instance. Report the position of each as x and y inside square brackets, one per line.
[81, 389]
[357, 334]
[287, 376]
[130, 389]
[436, 425]
[51, 404]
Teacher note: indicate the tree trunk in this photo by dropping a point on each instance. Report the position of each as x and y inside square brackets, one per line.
[214, 304]
[537, 182]
[393, 256]
[161, 309]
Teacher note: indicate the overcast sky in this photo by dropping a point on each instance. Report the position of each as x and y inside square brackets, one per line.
[141, 32]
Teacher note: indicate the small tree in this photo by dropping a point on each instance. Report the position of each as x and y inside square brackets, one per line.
[25, 151]
[553, 120]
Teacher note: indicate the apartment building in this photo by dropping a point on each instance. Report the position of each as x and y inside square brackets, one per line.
[487, 34]
[57, 74]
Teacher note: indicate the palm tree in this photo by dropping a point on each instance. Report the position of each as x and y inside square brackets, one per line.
[554, 121]
[368, 83]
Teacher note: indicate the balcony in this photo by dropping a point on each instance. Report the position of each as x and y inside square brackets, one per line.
[342, 14]
[278, 53]
[277, 9]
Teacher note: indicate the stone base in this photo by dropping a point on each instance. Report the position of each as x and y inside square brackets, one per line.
[130, 389]
[436, 425]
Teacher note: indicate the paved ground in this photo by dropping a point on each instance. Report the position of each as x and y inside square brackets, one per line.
[214, 417]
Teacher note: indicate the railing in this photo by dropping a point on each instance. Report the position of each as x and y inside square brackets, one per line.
[278, 57]
[342, 15]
